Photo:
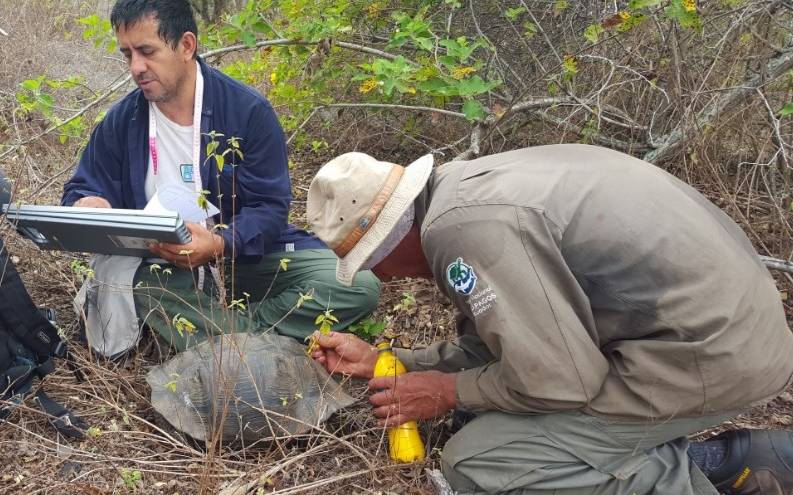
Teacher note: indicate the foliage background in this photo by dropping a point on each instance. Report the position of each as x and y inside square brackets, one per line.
[702, 89]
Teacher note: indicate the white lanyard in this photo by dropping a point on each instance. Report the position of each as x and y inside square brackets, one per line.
[199, 100]
[199, 97]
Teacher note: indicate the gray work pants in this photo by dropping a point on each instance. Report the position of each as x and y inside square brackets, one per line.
[574, 453]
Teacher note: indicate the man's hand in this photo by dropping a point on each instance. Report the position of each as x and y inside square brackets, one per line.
[415, 395]
[92, 202]
[204, 247]
[344, 353]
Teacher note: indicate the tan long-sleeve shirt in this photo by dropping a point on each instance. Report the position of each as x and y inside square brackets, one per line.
[588, 279]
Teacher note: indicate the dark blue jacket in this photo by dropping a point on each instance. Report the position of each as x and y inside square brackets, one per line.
[116, 160]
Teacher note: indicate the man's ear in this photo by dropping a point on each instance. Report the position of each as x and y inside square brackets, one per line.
[188, 45]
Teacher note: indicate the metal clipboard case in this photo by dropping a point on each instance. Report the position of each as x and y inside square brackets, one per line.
[96, 230]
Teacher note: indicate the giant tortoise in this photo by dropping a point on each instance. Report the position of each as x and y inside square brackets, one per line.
[248, 387]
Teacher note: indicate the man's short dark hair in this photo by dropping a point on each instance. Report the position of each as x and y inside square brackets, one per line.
[175, 16]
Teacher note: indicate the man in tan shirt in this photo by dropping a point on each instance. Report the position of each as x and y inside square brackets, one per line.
[606, 311]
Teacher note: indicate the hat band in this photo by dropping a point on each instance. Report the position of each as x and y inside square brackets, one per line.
[365, 223]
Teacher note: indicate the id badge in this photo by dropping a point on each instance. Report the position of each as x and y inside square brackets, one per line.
[186, 169]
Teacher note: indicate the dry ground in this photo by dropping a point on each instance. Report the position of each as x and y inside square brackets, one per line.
[347, 456]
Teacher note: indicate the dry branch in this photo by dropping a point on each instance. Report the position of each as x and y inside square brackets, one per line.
[686, 130]
[775, 264]
[287, 42]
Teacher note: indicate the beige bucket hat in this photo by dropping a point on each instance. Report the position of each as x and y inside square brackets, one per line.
[355, 201]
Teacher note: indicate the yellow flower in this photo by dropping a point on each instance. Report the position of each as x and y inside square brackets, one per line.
[374, 9]
[624, 15]
[368, 85]
[690, 5]
[462, 72]
[273, 77]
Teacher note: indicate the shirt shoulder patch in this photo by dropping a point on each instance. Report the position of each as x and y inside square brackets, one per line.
[461, 277]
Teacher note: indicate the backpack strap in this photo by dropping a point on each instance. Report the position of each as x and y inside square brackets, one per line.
[20, 380]
[65, 421]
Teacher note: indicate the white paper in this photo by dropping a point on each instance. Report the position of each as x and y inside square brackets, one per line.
[185, 203]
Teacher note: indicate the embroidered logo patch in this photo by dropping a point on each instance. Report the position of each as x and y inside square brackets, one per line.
[461, 277]
[187, 172]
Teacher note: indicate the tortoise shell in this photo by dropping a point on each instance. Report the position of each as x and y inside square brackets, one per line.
[247, 387]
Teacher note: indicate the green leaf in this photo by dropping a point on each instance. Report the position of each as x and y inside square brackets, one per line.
[786, 110]
[211, 147]
[32, 84]
[569, 67]
[473, 110]
[560, 6]
[685, 13]
[248, 38]
[530, 29]
[640, 4]
[424, 43]
[220, 161]
[593, 32]
[474, 85]
[202, 202]
[513, 14]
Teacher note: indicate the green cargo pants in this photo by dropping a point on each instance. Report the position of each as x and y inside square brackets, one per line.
[571, 453]
[259, 297]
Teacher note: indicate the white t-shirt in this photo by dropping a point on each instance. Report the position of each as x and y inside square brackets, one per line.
[174, 156]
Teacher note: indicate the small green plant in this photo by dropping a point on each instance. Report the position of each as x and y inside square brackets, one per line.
[317, 145]
[232, 148]
[131, 478]
[308, 296]
[407, 302]
[514, 13]
[35, 96]
[368, 329]
[172, 385]
[93, 432]
[99, 31]
[238, 304]
[325, 321]
[183, 325]
[81, 270]
[569, 68]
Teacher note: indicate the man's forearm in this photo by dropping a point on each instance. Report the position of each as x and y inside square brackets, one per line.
[448, 388]
[447, 357]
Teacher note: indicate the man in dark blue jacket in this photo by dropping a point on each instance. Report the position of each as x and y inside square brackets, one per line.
[153, 139]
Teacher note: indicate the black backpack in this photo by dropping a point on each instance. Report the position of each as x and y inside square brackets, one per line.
[28, 343]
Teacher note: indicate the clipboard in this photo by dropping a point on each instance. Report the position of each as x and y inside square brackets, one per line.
[96, 230]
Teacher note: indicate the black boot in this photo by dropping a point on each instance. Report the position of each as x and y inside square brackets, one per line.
[757, 462]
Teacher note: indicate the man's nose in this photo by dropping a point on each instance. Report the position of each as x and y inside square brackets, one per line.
[137, 65]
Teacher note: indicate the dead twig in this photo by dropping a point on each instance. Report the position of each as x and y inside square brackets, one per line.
[685, 131]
